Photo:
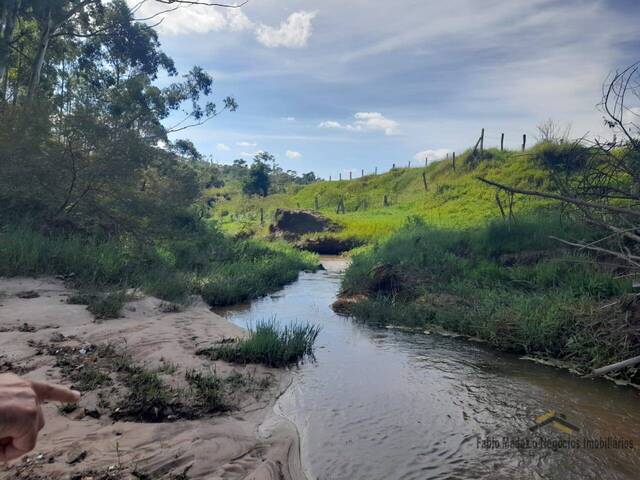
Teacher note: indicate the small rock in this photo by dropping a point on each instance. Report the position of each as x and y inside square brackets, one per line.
[25, 327]
[93, 413]
[28, 294]
[57, 337]
[78, 414]
[75, 455]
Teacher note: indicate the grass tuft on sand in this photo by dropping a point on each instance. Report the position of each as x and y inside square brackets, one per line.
[269, 344]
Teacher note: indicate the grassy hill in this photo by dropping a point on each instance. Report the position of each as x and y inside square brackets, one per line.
[454, 198]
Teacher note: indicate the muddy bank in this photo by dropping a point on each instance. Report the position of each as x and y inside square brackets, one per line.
[311, 231]
[41, 328]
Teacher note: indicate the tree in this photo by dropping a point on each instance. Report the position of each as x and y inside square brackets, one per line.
[257, 182]
[89, 149]
[551, 131]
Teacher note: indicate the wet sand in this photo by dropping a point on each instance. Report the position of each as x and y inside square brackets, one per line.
[226, 446]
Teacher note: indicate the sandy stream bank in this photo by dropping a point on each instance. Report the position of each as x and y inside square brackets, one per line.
[225, 446]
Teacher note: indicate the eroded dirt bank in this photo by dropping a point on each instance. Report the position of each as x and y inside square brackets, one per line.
[87, 442]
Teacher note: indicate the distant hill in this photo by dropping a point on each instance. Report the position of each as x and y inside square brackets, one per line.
[453, 198]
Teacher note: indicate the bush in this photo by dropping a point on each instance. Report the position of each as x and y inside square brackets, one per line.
[102, 305]
[509, 284]
[107, 306]
[561, 157]
[206, 263]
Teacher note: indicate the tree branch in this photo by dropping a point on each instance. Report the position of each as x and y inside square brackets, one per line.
[562, 198]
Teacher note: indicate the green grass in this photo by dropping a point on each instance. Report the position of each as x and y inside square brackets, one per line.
[222, 270]
[208, 390]
[104, 306]
[269, 344]
[455, 199]
[509, 284]
[149, 399]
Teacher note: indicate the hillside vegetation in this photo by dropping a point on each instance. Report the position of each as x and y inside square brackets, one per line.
[454, 198]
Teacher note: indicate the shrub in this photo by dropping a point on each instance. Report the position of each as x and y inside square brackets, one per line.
[561, 157]
[207, 390]
[269, 344]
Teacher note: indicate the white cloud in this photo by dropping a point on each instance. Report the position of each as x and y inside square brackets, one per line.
[365, 122]
[251, 154]
[292, 154]
[193, 18]
[290, 119]
[376, 121]
[294, 32]
[222, 147]
[238, 21]
[432, 155]
[330, 124]
[246, 144]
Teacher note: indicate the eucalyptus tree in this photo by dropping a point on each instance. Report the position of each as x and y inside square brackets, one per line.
[89, 144]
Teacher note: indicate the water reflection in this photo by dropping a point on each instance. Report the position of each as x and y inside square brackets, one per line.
[384, 404]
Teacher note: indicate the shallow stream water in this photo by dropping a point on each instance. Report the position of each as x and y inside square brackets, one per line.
[380, 404]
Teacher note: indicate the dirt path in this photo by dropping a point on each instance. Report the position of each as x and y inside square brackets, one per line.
[78, 445]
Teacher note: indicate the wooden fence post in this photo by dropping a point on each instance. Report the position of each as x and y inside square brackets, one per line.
[454, 161]
[524, 141]
[502, 142]
[316, 203]
[261, 216]
[340, 176]
[385, 201]
[329, 177]
[424, 181]
[362, 173]
[409, 163]
[426, 161]
[350, 175]
[376, 171]
[482, 142]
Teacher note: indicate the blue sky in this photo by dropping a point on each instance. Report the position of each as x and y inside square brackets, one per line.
[333, 86]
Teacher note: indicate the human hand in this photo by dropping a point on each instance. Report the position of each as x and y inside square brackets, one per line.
[21, 415]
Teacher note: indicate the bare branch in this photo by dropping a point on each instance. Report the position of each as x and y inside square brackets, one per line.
[204, 3]
[562, 198]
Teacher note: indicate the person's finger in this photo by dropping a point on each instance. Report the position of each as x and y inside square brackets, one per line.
[3, 446]
[40, 419]
[57, 393]
[21, 445]
[10, 452]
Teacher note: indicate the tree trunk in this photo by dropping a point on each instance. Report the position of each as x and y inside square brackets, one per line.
[38, 63]
[8, 20]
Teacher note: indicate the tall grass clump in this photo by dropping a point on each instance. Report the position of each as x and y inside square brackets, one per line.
[269, 344]
[223, 270]
[257, 268]
[511, 284]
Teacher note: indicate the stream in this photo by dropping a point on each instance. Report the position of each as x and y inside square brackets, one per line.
[381, 404]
